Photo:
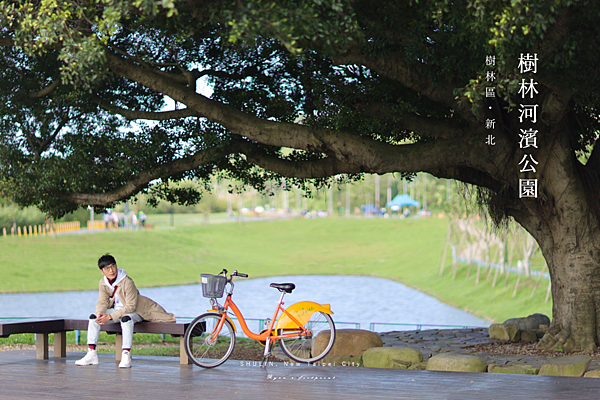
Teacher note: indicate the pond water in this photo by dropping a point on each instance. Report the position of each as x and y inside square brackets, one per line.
[354, 299]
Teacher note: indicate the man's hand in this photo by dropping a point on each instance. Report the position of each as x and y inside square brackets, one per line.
[101, 318]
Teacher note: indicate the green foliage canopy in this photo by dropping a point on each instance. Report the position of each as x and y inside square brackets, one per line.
[333, 65]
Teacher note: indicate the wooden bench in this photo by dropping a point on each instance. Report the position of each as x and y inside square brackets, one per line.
[42, 329]
[60, 327]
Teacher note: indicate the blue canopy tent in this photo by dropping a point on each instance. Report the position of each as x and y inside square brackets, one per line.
[402, 200]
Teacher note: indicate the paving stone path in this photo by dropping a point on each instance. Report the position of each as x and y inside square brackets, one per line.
[437, 341]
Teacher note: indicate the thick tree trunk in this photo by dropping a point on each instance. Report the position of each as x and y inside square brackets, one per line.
[574, 263]
[568, 233]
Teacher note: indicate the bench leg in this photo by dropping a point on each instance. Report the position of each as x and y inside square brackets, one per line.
[41, 346]
[118, 345]
[60, 344]
[183, 357]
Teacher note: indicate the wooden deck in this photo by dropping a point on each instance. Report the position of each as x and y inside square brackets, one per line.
[24, 377]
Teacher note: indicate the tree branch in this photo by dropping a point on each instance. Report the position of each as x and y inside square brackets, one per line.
[190, 77]
[186, 77]
[46, 143]
[302, 169]
[299, 169]
[181, 78]
[395, 67]
[250, 71]
[141, 180]
[369, 154]
[33, 140]
[423, 126]
[45, 91]
[156, 116]
[467, 175]
[410, 158]
[430, 127]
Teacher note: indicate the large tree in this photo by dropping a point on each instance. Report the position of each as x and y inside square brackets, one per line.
[312, 89]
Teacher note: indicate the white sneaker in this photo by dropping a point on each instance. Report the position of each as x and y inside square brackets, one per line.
[91, 358]
[125, 359]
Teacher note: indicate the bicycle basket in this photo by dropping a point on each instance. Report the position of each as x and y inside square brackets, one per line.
[213, 286]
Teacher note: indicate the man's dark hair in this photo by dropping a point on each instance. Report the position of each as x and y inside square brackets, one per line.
[106, 260]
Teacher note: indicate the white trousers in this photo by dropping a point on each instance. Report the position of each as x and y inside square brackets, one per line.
[126, 329]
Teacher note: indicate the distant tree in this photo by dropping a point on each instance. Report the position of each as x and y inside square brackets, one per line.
[351, 87]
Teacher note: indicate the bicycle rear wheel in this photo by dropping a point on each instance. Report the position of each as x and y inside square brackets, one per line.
[312, 349]
[206, 347]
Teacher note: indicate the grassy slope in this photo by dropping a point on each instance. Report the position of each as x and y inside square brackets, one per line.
[404, 250]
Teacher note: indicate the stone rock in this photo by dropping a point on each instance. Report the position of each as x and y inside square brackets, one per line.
[593, 373]
[348, 342]
[419, 366]
[520, 323]
[529, 323]
[399, 364]
[341, 361]
[528, 336]
[391, 357]
[534, 321]
[566, 366]
[456, 362]
[505, 332]
[540, 333]
[513, 369]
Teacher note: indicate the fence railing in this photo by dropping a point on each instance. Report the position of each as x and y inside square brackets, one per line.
[42, 229]
[419, 327]
[262, 324]
[510, 268]
[98, 225]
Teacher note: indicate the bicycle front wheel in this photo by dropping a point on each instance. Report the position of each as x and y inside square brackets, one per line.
[205, 345]
[311, 349]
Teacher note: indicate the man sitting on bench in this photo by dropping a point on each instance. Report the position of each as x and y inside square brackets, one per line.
[119, 300]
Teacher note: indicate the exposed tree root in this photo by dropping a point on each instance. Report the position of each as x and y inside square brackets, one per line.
[564, 340]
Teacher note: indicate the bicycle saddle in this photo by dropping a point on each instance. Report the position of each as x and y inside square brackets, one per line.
[284, 287]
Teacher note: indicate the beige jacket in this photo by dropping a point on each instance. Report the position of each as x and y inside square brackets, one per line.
[132, 302]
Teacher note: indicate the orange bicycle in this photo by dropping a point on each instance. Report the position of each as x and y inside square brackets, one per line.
[305, 330]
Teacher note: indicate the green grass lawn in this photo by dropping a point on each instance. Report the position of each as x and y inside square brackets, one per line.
[179, 220]
[407, 251]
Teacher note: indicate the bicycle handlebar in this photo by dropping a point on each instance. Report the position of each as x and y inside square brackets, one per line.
[235, 273]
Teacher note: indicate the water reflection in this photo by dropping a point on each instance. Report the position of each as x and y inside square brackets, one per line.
[356, 299]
